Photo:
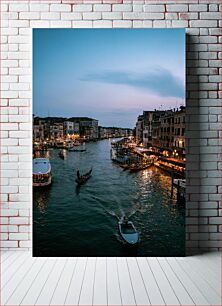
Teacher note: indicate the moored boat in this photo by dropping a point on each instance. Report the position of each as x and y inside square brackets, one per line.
[128, 231]
[134, 168]
[77, 150]
[77, 143]
[42, 175]
[82, 179]
[180, 183]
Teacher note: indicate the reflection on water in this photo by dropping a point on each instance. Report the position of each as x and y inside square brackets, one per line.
[83, 221]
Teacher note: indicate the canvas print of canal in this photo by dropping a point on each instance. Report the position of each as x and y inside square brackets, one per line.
[109, 142]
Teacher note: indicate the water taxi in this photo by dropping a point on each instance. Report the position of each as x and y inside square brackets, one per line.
[128, 231]
[42, 175]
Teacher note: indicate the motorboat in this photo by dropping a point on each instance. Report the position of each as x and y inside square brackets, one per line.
[77, 143]
[128, 231]
[42, 175]
[77, 150]
[82, 179]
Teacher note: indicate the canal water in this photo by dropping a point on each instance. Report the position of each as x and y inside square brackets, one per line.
[71, 221]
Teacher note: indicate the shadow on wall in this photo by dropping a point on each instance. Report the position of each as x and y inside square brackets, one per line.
[193, 172]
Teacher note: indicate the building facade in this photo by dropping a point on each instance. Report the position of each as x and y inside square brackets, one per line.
[71, 128]
[56, 131]
[139, 129]
[163, 130]
[54, 128]
[112, 132]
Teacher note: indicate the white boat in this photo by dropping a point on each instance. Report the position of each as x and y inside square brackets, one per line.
[77, 143]
[42, 175]
[68, 144]
[128, 231]
[79, 148]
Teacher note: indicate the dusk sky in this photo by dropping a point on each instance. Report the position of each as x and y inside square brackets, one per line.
[108, 74]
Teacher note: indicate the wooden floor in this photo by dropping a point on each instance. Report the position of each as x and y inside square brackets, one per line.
[110, 281]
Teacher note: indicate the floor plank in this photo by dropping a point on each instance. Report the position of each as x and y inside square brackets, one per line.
[166, 289]
[100, 283]
[73, 293]
[62, 287]
[181, 293]
[86, 294]
[213, 279]
[208, 292]
[35, 289]
[17, 279]
[113, 285]
[127, 293]
[49, 287]
[152, 287]
[140, 291]
[5, 255]
[13, 270]
[190, 286]
[110, 281]
[11, 261]
[22, 288]
[210, 260]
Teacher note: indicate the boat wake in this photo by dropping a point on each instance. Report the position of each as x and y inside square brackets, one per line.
[122, 213]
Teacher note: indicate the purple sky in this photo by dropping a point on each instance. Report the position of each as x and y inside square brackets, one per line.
[108, 74]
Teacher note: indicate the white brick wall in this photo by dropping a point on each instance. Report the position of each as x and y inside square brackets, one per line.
[202, 21]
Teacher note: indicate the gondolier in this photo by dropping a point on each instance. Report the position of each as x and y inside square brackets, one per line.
[81, 179]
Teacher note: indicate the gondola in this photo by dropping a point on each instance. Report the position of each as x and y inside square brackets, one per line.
[61, 155]
[82, 179]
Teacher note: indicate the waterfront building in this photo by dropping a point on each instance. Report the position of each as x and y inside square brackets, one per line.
[39, 129]
[86, 127]
[148, 119]
[139, 129]
[59, 128]
[147, 128]
[156, 129]
[167, 130]
[163, 130]
[56, 131]
[144, 126]
[71, 128]
[114, 132]
[179, 134]
[38, 133]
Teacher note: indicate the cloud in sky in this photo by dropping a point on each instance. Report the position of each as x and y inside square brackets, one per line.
[159, 81]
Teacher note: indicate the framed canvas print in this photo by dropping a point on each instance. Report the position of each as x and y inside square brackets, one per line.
[109, 142]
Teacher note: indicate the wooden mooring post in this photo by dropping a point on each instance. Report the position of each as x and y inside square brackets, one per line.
[181, 198]
[181, 195]
[172, 179]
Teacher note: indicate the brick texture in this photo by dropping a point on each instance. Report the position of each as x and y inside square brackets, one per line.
[201, 18]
